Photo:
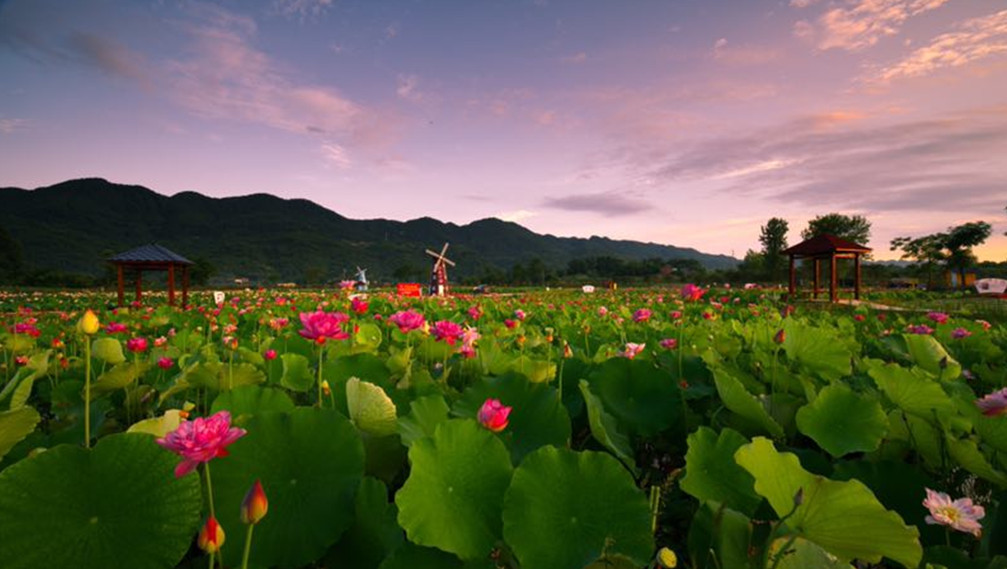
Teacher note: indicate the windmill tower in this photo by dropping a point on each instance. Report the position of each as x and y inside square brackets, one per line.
[361, 285]
[439, 272]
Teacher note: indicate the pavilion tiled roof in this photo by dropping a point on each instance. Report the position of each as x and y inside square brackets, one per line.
[150, 253]
[824, 245]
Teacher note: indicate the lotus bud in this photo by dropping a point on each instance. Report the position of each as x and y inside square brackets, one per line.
[211, 536]
[255, 505]
[493, 415]
[780, 336]
[666, 558]
[88, 323]
[326, 389]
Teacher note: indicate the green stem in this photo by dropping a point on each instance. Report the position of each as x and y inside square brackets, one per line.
[655, 506]
[321, 355]
[87, 392]
[230, 369]
[211, 560]
[783, 551]
[248, 546]
[209, 488]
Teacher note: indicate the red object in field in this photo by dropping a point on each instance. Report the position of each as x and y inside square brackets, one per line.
[409, 289]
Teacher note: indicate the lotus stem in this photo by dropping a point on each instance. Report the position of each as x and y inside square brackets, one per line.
[248, 546]
[87, 392]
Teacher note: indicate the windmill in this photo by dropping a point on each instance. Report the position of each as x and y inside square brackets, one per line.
[439, 273]
[361, 285]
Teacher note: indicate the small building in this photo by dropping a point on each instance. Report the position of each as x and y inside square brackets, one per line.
[151, 257]
[830, 248]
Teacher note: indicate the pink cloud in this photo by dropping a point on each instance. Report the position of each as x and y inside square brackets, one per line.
[860, 24]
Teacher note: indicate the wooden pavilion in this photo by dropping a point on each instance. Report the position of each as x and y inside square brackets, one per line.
[152, 258]
[821, 248]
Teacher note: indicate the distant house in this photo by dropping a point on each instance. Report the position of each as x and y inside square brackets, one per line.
[241, 281]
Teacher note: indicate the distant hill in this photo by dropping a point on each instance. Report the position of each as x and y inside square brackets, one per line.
[73, 226]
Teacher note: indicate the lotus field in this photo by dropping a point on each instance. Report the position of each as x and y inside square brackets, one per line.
[689, 427]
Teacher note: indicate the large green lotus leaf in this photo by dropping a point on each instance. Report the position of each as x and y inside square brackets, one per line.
[367, 337]
[967, 455]
[537, 418]
[992, 430]
[222, 377]
[454, 494]
[803, 554]
[118, 377]
[841, 421]
[252, 400]
[371, 410]
[15, 425]
[642, 397]
[158, 426]
[109, 350]
[816, 350]
[310, 462]
[605, 429]
[424, 416]
[412, 556]
[736, 398]
[918, 433]
[929, 354]
[117, 505]
[912, 390]
[297, 375]
[720, 537]
[537, 371]
[366, 366]
[711, 473]
[564, 509]
[845, 518]
[375, 533]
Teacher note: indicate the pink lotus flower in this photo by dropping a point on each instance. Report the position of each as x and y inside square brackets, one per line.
[602, 311]
[269, 355]
[347, 285]
[475, 313]
[201, 440]
[115, 328]
[632, 350]
[320, 326]
[921, 329]
[692, 292]
[510, 324]
[446, 331]
[669, 343]
[27, 328]
[136, 345]
[165, 363]
[960, 334]
[960, 514]
[493, 415]
[676, 314]
[986, 325]
[160, 341]
[993, 404]
[642, 315]
[858, 317]
[408, 320]
[519, 314]
[359, 306]
[938, 317]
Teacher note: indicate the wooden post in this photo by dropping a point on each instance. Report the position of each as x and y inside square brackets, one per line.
[122, 284]
[815, 280]
[185, 286]
[793, 278]
[139, 284]
[856, 285]
[832, 278]
[171, 284]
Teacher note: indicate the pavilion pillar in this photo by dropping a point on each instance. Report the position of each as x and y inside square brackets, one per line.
[185, 286]
[815, 280]
[792, 288]
[832, 278]
[171, 284]
[856, 281]
[139, 284]
[122, 284]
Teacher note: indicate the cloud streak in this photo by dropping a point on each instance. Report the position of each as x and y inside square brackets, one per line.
[860, 24]
[608, 204]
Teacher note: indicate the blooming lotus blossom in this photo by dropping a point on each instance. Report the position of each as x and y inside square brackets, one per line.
[407, 320]
[211, 536]
[165, 363]
[602, 311]
[519, 314]
[921, 329]
[960, 333]
[669, 343]
[993, 404]
[115, 328]
[986, 325]
[358, 305]
[938, 317]
[960, 514]
[255, 505]
[642, 315]
[27, 328]
[469, 338]
[136, 345]
[320, 326]
[676, 314]
[632, 350]
[160, 341]
[511, 324]
[347, 285]
[493, 415]
[446, 331]
[201, 440]
[692, 292]
[269, 355]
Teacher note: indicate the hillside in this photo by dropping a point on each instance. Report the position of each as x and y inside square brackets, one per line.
[73, 226]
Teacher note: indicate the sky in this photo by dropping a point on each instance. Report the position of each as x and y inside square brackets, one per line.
[682, 122]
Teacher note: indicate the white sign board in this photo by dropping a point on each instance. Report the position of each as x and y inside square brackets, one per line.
[219, 297]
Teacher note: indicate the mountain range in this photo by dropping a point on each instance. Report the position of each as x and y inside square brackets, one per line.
[74, 226]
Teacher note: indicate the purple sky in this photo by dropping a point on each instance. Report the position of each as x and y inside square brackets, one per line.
[686, 122]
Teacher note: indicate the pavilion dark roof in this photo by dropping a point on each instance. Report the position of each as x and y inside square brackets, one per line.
[150, 253]
[825, 245]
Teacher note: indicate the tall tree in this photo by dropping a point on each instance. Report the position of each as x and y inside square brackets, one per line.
[926, 251]
[853, 228]
[959, 243]
[773, 236]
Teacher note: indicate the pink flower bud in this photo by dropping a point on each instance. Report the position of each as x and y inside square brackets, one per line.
[255, 505]
[493, 415]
